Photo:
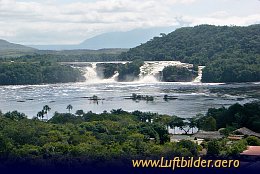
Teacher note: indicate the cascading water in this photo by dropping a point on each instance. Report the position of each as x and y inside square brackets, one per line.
[150, 72]
[199, 77]
[91, 73]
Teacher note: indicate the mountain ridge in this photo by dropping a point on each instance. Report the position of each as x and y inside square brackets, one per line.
[117, 39]
[12, 49]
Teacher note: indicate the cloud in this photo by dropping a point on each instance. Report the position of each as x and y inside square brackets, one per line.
[57, 22]
[224, 20]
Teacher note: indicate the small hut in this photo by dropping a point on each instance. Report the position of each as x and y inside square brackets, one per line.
[208, 135]
[246, 131]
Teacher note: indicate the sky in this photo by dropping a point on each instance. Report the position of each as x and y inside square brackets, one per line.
[72, 21]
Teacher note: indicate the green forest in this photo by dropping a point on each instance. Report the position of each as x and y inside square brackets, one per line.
[115, 137]
[66, 56]
[178, 74]
[126, 72]
[15, 73]
[230, 54]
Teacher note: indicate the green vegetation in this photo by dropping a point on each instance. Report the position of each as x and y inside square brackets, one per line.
[233, 68]
[86, 140]
[69, 107]
[127, 72]
[130, 71]
[37, 73]
[64, 56]
[237, 116]
[107, 70]
[223, 149]
[89, 139]
[199, 45]
[137, 97]
[177, 74]
[231, 54]
[8, 49]
[253, 141]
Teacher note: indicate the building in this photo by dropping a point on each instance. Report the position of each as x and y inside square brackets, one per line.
[209, 135]
[252, 153]
[246, 131]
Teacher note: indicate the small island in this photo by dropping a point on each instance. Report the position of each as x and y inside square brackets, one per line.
[178, 74]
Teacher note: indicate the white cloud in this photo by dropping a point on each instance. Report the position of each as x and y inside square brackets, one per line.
[53, 22]
[230, 20]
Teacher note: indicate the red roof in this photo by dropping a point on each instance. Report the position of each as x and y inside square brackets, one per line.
[252, 150]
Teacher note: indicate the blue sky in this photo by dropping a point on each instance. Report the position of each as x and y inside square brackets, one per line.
[72, 21]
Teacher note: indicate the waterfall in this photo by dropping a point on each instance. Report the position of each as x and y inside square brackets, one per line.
[199, 77]
[112, 79]
[91, 73]
[151, 71]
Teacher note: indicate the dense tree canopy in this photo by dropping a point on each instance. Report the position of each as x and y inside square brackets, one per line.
[130, 71]
[233, 68]
[109, 138]
[87, 140]
[107, 70]
[177, 74]
[231, 54]
[236, 116]
[37, 73]
[199, 44]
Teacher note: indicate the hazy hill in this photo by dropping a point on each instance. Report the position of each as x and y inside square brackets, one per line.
[128, 39]
[11, 49]
[23, 53]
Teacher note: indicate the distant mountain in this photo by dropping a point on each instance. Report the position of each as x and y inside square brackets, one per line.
[11, 49]
[128, 39]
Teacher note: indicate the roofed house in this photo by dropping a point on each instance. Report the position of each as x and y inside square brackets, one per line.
[252, 150]
[235, 137]
[252, 153]
[177, 138]
[208, 135]
[246, 131]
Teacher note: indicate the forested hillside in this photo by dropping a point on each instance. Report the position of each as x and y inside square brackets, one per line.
[231, 54]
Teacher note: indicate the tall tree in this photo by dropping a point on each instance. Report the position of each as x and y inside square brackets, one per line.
[69, 107]
[192, 123]
[46, 109]
[40, 114]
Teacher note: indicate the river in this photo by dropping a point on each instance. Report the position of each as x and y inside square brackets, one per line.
[190, 97]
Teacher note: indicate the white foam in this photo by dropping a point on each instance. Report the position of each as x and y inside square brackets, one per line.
[199, 77]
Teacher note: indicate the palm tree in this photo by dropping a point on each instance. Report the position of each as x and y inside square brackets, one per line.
[192, 123]
[173, 123]
[69, 107]
[40, 114]
[46, 109]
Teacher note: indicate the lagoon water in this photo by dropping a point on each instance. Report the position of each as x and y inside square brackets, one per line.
[191, 97]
